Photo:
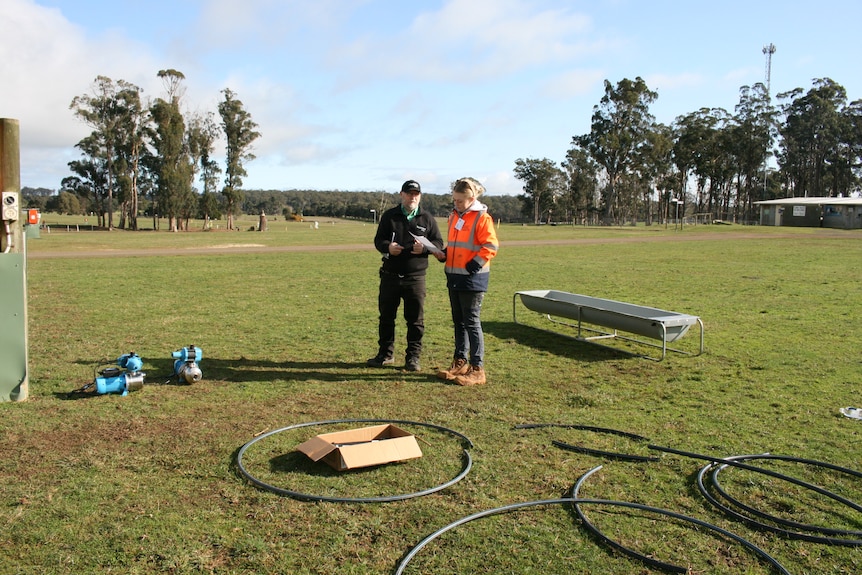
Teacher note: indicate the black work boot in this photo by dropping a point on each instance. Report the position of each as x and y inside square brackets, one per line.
[411, 363]
[380, 361]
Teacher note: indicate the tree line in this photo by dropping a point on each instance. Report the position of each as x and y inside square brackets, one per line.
[296, 204]
[155, 151]
[363, 205]
[145, 159]
[714, 164]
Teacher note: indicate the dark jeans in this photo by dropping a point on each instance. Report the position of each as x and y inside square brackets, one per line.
[393, 289]
[469, 339]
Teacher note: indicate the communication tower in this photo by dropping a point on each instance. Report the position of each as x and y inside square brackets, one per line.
[768, 50]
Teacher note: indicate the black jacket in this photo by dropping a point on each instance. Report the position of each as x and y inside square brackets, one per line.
[394, 224]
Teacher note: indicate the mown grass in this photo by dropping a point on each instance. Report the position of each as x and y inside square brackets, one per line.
[57, 229]
[148, 483]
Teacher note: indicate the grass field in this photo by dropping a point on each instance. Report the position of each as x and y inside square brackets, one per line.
[148, 483]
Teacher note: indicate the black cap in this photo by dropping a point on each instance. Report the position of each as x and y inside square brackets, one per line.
[411, 186]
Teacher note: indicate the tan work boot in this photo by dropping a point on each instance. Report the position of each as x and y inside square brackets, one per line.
[476, 376]
[459, 367]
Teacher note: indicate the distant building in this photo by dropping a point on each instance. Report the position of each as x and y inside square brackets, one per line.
[842, 213]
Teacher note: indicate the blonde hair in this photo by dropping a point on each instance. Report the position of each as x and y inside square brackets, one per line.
[469, 186]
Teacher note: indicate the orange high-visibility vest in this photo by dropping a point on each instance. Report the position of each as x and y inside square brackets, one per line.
[470, 237]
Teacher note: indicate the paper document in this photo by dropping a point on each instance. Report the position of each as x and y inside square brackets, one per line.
[428, 245]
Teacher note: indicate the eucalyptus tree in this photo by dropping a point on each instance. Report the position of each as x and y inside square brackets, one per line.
[132, 155]
[80, 188]
[64, 202]
[542, 184]
[172, 81]
[240, 133]
[655, 168]
[812, 134]
[701, 150]
[502, 208]
[619, 127]
[90, 177]
[203, 133]
[752, 131]
[111, 110]
[852, 143]
[173, 167]
[581, 183]
[722, 196]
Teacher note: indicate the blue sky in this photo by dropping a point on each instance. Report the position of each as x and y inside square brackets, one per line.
[363, 94]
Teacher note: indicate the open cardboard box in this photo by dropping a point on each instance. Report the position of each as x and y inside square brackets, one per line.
[362, 447]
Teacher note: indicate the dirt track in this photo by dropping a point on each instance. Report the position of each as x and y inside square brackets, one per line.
[687, 236]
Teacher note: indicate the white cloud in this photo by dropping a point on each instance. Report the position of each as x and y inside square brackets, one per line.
[467, 41]
[372, 92]
[740, 76]
[573, 83]
[45, 62]
[277, 26]
[502, 184]
[39, 73]
[661, 82]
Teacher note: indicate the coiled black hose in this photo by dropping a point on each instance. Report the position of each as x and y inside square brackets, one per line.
[467, 464]
[589, 450]
[654, 562]
[405, 560]
[790, 529]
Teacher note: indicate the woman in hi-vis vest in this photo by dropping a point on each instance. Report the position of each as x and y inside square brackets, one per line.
[471, 245]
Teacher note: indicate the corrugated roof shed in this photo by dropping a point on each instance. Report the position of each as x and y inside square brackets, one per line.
[817, 201]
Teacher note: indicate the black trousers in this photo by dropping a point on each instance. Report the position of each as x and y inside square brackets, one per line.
[393, 289]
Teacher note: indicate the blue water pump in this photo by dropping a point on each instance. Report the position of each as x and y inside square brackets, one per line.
[186, 364]
[124, 378]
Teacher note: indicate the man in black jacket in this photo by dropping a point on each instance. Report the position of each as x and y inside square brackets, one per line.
[402, 275]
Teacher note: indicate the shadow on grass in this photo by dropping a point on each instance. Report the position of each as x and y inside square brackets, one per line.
[296, 462]
[75, 394]
[245, 369]
[291, 462]
[558, 344]
[293, 465]
[249, 369]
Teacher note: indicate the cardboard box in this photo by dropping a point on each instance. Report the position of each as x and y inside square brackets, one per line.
[362, 447]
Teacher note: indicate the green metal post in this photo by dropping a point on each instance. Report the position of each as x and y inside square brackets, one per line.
[14, 373]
